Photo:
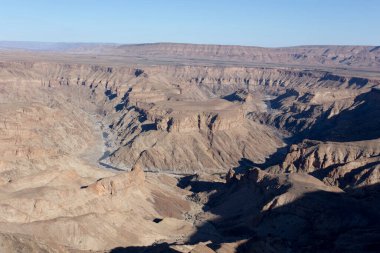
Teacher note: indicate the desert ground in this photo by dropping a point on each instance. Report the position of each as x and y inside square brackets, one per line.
[189, 148]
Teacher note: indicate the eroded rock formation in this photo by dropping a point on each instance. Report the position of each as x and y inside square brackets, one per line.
[100, 154]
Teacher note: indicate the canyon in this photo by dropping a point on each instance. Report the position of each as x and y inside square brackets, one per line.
[189, 148]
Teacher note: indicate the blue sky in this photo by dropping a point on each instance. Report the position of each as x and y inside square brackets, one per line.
[245, 22]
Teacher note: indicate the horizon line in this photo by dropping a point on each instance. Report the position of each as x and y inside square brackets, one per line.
[181, 43]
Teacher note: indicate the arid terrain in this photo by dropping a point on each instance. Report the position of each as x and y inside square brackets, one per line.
[189, 148]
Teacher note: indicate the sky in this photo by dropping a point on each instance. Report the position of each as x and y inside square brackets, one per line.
[270, 23]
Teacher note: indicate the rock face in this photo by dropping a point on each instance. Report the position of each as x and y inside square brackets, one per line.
[291, 213]
[119, 184]
[347, 164]
[101, 154]
[206, 125]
